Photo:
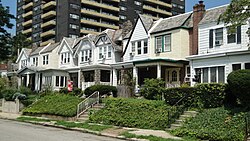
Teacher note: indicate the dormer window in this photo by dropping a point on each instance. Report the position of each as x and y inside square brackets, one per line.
[35, 61]
[105, 52]
[24, 63]
[65, 58]
[45, 59]
[86, 55]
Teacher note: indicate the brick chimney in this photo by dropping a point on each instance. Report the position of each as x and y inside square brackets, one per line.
[198, 13]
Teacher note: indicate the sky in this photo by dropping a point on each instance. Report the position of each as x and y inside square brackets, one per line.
[189, 7]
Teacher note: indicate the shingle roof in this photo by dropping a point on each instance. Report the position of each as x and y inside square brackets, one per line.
[173, 22]
[28, 51]
[36, 51]
[212, 15]
[50, 48]
[111, 34]
[147, 21]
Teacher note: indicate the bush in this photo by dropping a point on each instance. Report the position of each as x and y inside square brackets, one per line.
[211, 95]
[138, 113]
[8, 94]
[3, 85]
[216, 125]
[64, 90]
[239, 83]
[77, 91]
[25, 90]
[57, 104]
[173, 95]
[152, 89]
[103, 89]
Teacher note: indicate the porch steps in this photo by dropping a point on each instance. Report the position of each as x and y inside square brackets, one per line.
[85, 116]
[185, 116]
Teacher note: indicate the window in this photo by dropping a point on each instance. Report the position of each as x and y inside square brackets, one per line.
[74, 6]
[213, 74]
[105, 76]
[24, 63]
[174, 76]
[221, 74]
[65, 58]
[133, 47]
[105, 52]
[123, 17]
[139, 47]
[235, 36]
[88, 76]
[86, 55]
[218, 36]
[57, 80]
[247, 66]
[137, 3]
[35, 61]
[73, 26]
[74, 16]
[62, 81]
[100, 52]
[231, 38]
[123, 8]
[236, 67]
[48, 80]
[205, 75]
[167, 43]
[73, 36]
[45, 59]
[163, 43]
[109, 51]
[145, 48]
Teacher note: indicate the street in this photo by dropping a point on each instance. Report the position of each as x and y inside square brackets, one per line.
[18, 131]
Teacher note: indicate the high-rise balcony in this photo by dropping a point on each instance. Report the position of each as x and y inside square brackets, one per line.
[101, 5]
[27, 23]
[48, 33]
[157, 2]
[149, 8]
[49, 23]
[47, 42]
[27, 31]
[49, 5]
[93, 23]
[84, 31]
[49, 14]
[27, 14]
[97, 14]
[29, 5]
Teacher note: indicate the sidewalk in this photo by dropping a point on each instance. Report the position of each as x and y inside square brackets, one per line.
[114, 132]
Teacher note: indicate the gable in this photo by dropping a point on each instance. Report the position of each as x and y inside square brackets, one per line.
[64, 47]
[22, 56]
[139, 32]
[84, 44]
[103, 40]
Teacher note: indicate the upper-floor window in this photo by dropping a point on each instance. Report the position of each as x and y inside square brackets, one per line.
[73, 26]
[105, 52]
[74, 16]
[123, 8]
[65, 58]
[45, 59]
[86, 55]
[163, 43]
[35, 61]
[74, 6]
[141, 46]
[137, 3]
[24, 63]
[235, 36]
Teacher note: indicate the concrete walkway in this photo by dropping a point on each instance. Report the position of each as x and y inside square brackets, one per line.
[157, 133]
[11, 116]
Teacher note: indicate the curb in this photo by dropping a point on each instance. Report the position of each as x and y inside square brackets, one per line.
[76, 129]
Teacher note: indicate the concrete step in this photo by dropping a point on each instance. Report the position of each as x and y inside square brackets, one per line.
[179, 121]
[192, 113]
[185, 117]
[175, 126]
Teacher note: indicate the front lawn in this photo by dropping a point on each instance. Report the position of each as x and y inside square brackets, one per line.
[56, 104]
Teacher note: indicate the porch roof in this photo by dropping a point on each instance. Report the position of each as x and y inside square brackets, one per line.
[149, 60]
[29, 69]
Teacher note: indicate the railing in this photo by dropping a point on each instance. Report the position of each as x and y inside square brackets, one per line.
[88, 103]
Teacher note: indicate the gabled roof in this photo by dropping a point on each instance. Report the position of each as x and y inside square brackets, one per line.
[182, 20]
[89, 37]
[147, 21]
[36, 51]
[50, 48]
[24, 51]
[113, 35]
[213, 14]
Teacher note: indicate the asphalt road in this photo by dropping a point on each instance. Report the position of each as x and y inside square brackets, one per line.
[18, 131]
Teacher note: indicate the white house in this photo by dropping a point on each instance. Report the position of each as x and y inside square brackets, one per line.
[219, 53]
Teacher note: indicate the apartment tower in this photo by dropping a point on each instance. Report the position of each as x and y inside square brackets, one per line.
[48, 21]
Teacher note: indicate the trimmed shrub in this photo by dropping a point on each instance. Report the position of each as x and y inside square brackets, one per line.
[103, 89]
[215, 125]
[173, 95]
[57, 104]
[212, 95]
[77, 91]
[239, 83]
[8, 94]
[25, 90]
[138, 113]
[153, 89]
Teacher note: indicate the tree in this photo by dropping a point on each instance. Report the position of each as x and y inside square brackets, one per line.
[18, 42]
[5, 37]
[237, 13]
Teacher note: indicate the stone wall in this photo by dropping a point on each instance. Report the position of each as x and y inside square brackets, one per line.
[12, 106]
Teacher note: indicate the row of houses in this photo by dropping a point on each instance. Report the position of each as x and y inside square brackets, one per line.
[188, 48]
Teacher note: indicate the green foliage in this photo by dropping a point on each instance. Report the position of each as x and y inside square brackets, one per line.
[173, 95]
[103, 89]
[33, 119]
[60, 105]
[211, 95]
[77, 91]
[8, 93]
[83, 125]
[25, 90]
[30, 100]
[239, 84]
[215, 124]
[138, 113]
[200, 96]
[152, 89]
[3, 85]
[64, 90]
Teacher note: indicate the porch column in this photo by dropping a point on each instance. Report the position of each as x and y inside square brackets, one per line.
[27, 80]
[158, 70]
[111, 78]
[36, 81]
[135, 75]
[79, 78]
[114, 77]
[19, 81]
[193, 73]
[97, 76]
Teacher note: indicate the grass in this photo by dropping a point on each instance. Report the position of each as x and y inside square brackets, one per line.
[93, 127]
[153, 138]
[32, 119]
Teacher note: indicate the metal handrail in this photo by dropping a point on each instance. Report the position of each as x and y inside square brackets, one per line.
[88, 103]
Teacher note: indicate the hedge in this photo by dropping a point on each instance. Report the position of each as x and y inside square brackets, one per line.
[57, 104]
[239, 84]
[103, 89]
[210, 95]
[214, 124]
[139, 113]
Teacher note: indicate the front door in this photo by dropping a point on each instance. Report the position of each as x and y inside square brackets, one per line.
[172, 77]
